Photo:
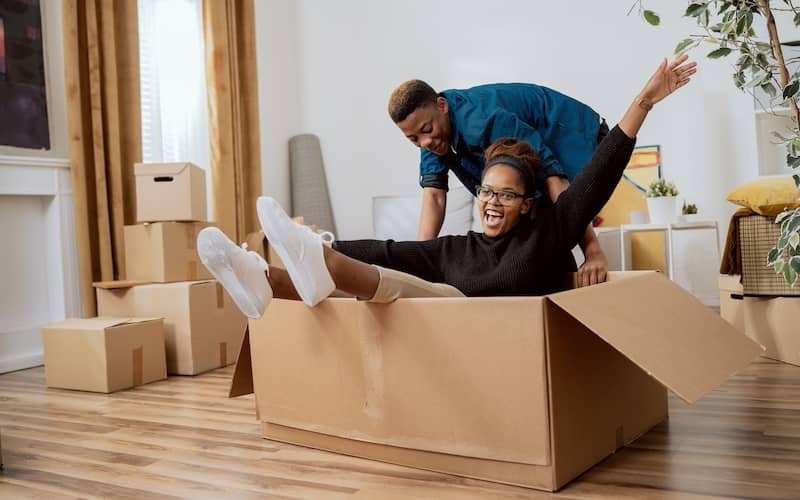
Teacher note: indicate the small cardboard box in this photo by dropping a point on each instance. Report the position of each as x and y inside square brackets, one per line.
[730, 300]
[170, 192]
[104, 354]
[163, 252]
[773, 322]
[203, 328]
[530, 391]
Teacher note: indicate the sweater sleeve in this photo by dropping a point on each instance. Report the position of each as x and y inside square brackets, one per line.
[591, 189]
[420, 258]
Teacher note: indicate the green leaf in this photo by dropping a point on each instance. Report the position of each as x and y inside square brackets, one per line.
[796, 178]
[695, 10]
[791, 225]
[781, 216]
[769, 88]
[773, 256]
[720, 52]
[793, 161]
[797, 19]
[779, 267]
[794, 263]
[794, 240]
[651, 17]
[791, 89]
[789, 275]
[683, 46]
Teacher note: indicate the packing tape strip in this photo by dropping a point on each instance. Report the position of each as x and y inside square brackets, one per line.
[223, 354]
[137, 366]
[191, 270]
[220, 295]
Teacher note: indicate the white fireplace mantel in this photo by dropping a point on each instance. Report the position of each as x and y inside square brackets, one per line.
[38, 255]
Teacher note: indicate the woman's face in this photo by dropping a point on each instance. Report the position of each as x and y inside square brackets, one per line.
[498, 216]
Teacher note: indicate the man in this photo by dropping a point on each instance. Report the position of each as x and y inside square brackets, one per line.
[453, 128]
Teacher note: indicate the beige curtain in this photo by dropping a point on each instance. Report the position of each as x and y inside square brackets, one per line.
[233, 113]
[101, 52]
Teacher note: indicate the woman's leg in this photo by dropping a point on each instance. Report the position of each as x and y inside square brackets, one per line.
[365, 281]
[349, 275]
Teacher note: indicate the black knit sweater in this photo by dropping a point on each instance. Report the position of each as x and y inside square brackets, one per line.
[531, 258]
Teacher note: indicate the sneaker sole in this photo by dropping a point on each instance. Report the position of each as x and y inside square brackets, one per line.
[262, 208]
[225, 276]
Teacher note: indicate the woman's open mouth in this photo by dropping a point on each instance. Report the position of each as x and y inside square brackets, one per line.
[493, 218]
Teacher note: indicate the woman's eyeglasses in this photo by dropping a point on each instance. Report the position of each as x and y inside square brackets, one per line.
[503, 197]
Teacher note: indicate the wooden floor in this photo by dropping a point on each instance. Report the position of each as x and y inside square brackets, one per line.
[184, 438]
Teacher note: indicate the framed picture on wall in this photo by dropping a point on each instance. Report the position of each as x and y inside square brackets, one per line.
[23, 93]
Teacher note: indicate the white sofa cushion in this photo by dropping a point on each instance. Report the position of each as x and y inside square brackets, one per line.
[397, 217]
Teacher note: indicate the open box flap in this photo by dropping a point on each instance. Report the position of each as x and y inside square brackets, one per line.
[242, 382]
[118, 284]
[664, 330]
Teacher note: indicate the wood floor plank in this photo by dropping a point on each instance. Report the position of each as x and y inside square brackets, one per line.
[183, 438]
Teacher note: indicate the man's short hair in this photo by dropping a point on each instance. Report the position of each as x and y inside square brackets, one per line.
[408, 97]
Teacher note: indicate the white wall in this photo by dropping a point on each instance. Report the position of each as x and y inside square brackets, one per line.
[352, 53]
[278, 97]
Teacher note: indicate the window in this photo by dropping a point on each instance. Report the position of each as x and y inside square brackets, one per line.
[173, 83]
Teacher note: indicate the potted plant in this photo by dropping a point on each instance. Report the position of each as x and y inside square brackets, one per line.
[662, 201]
[689, 212]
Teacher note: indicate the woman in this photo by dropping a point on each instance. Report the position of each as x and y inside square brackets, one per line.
[521, 251]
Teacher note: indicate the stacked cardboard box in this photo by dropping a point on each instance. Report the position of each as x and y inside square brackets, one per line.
[165, 277]
[770, 321]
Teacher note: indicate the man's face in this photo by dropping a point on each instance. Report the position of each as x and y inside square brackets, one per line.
[429, 128]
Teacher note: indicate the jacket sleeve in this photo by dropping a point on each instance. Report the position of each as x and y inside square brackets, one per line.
[432, 170]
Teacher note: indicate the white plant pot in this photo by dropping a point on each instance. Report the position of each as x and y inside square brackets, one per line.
[663, 210]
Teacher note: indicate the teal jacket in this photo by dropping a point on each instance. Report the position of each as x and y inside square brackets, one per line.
[562, 130]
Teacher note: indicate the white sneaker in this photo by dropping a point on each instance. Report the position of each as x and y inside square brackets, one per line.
[300, 249]
[240, 272]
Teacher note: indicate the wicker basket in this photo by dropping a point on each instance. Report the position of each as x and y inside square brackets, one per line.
[757, 236]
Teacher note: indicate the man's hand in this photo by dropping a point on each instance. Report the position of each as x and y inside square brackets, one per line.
[434, 203]
[595, 269]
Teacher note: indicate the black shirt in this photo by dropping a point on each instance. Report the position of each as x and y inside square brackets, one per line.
[530, 258]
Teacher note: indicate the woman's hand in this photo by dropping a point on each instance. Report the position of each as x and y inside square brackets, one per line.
[667, 79]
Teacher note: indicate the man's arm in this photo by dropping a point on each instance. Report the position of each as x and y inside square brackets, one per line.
[434, 203]
[595, 266]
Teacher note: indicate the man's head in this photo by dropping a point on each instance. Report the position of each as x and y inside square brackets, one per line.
[422, 115]
[507, 186]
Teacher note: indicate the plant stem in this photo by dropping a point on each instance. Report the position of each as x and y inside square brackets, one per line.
[777, 51]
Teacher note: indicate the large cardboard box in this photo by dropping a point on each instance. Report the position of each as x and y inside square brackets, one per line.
[730, 300]
[163, 252]
[530, 391]
[773, 322]
[170, 192]
[104, 354]
[203, 328]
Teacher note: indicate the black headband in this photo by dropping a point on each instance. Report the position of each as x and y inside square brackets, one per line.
[521, 167]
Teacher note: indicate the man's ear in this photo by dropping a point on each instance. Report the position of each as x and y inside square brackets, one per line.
[526, 205]
[441, 103]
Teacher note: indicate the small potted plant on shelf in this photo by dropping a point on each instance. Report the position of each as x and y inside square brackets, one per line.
[662, 201]
[689, 213]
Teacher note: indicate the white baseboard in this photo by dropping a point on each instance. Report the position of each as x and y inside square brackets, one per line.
[21, 362]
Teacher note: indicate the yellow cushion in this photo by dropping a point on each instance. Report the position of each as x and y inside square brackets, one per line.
[767, 196]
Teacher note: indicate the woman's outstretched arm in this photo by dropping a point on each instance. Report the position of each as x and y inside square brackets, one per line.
[593, 187]
[667, 79]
